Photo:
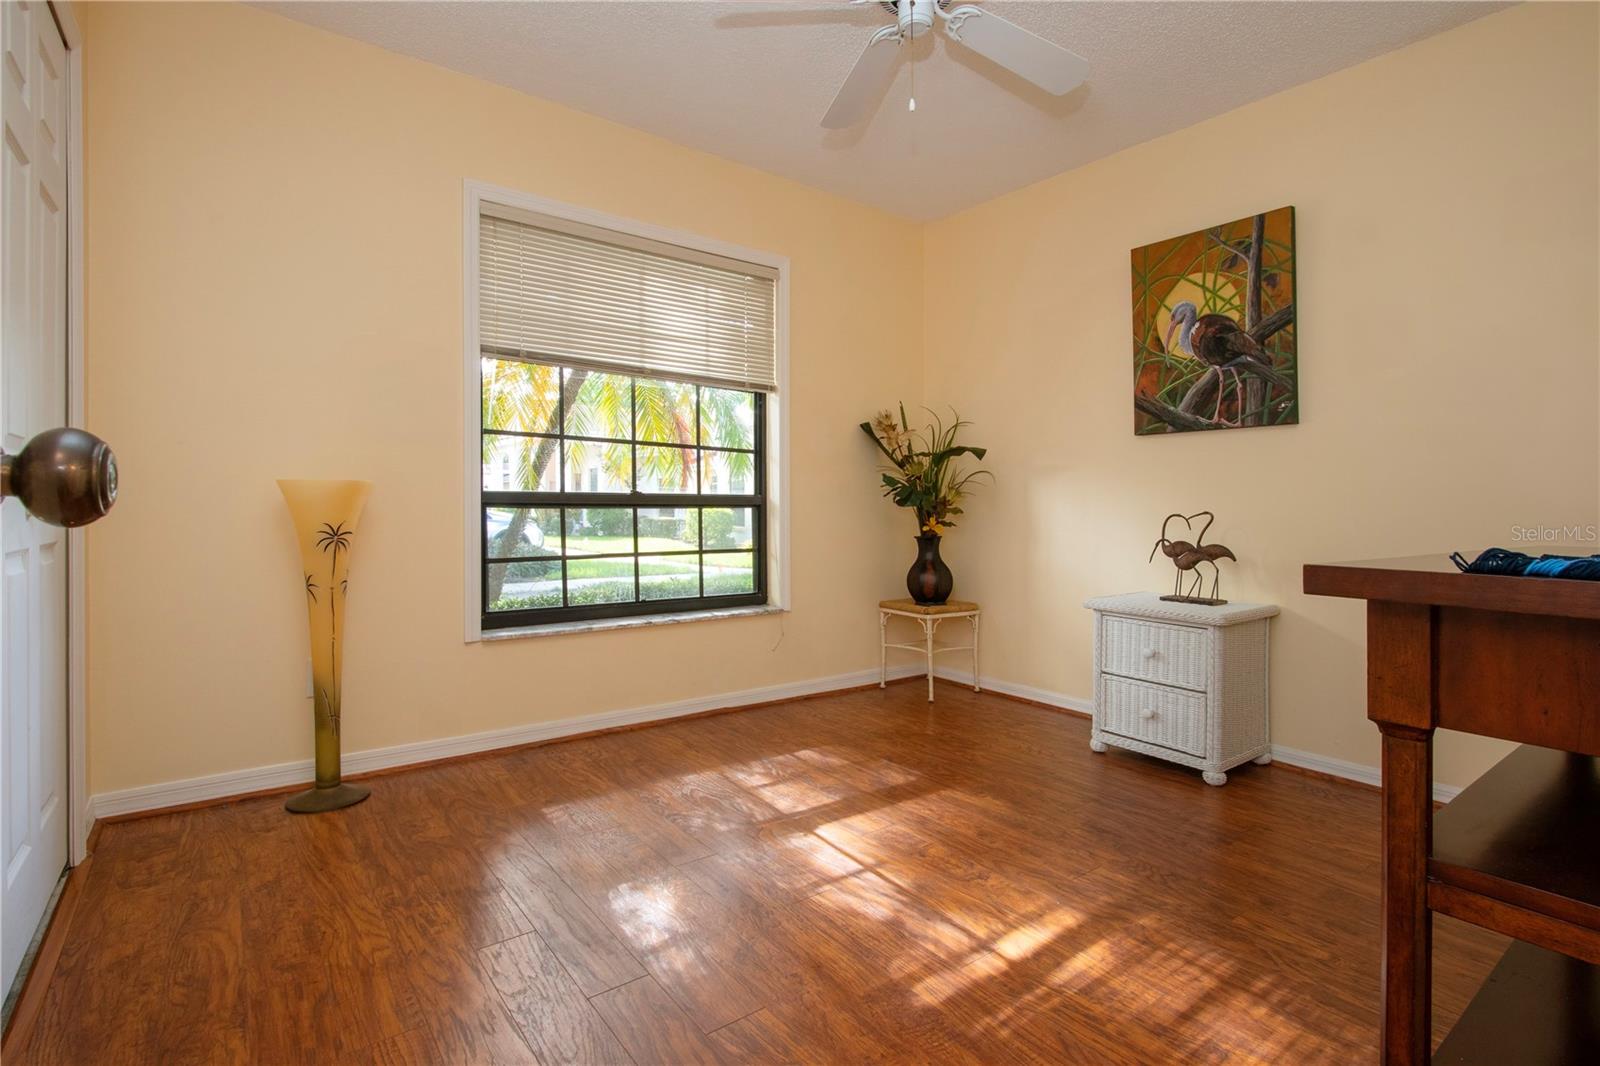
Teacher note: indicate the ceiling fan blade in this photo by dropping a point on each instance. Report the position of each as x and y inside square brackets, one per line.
[860, 12]
[868, 81]
[1048, 65]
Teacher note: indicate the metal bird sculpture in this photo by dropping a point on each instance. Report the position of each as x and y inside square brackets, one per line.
[1182, 553]
[1219, 342]
[1186, 557]
[1212, 552]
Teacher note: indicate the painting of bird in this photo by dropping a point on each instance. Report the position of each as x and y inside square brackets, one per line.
[1214, 337]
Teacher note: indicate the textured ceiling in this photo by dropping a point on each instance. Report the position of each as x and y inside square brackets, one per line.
[749, 81]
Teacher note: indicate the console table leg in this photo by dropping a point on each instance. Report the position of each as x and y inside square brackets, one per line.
[1407, 922]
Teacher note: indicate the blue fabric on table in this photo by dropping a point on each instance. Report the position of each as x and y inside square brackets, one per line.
[1515, 564]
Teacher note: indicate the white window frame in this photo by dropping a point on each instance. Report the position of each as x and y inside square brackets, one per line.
[476, 195]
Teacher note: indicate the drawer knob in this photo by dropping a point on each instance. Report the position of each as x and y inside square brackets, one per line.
[1147, 714]
[1149, 653]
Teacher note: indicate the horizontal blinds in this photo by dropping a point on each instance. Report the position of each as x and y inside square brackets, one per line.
[551, 289]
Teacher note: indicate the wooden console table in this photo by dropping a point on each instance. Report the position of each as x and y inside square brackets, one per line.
[1519, 850]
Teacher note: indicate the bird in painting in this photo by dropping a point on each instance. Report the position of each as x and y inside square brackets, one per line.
[1217, 341]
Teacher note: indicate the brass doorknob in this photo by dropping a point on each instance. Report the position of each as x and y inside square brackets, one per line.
[65, 476]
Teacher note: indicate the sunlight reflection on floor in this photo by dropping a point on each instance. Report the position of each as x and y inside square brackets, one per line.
[851, 865]
[646, 912]
[1024, 940]
[797, 797]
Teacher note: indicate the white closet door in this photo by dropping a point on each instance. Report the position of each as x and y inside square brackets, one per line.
[33, 396]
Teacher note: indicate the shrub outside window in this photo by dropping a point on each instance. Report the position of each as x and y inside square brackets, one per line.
[607, 495]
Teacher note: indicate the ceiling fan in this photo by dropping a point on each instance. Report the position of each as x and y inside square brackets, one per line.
[1047, 65]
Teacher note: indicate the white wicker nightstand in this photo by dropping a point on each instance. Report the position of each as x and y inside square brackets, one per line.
[1181, 681]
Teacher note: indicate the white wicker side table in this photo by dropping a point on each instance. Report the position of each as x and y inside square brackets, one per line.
[1181, 681]
[929, 615]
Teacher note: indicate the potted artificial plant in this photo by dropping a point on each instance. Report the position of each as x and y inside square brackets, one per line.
[928, 480]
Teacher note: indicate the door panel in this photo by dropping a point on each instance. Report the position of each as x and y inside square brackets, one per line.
[34, 109]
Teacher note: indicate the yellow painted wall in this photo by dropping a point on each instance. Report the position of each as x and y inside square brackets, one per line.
[273, 289]
[1446, 200]
[274, 286]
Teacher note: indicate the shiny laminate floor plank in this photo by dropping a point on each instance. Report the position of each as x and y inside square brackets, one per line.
[858, 878]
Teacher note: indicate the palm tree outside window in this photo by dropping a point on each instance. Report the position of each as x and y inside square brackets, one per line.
[626, 495]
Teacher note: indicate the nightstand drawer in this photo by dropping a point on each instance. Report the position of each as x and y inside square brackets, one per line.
[1171, 717]
[1155, 651]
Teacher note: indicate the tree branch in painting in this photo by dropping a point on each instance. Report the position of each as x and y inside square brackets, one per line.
[1171, 415]
[1283, 316]
[1240, 250]
[1252, 314]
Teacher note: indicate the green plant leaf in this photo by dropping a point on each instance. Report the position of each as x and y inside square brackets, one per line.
[866, 427]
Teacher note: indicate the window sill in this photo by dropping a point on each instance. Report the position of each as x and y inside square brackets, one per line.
[637, 622]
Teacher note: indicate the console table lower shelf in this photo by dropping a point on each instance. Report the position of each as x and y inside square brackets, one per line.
[1537, 1008]
[1515, 852]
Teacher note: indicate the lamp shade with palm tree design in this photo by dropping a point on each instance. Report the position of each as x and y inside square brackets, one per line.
[325, 516]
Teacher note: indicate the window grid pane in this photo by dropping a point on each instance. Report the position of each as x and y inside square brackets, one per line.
[612, 556]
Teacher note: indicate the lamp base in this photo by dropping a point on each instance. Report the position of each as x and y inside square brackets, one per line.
[317, 800]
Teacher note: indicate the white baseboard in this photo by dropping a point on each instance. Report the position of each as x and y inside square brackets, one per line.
[1306, 760]
[1350, 771]
[283, 775]
[1011, 688]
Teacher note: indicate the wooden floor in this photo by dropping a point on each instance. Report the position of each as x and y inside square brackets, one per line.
[857, 878]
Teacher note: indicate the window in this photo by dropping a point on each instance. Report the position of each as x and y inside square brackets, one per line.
[624, 391]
